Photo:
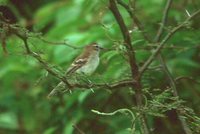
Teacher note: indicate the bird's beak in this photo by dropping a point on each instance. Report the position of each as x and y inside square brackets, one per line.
[101, 48]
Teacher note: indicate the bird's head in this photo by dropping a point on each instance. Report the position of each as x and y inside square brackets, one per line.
[93, 47]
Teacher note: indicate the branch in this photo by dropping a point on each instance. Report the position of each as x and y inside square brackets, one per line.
[166, 38]
[51, 70]
[111, 86]
[126, 36]
[132, 60]
[134, 18]
[165, 68]
[24, 35]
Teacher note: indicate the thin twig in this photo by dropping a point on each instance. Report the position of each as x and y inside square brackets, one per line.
[123, 111]
[26, 45]
[163, 22]
[187, 78]
[48, 67]
[166, 38]
[51, 70]
[59, 43]
[180, 48]
[78, 129]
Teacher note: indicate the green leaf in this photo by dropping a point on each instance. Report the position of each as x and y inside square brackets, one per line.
[8, 120]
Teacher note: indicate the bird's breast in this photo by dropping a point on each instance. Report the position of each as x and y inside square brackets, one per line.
[91, 65]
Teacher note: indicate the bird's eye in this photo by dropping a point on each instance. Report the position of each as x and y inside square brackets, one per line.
[96, 46]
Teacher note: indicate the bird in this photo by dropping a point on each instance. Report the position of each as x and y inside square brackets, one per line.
[86, 63]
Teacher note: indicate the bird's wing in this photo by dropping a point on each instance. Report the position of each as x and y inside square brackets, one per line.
[78, 63]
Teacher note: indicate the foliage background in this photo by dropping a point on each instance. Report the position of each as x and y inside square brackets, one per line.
[24, 84]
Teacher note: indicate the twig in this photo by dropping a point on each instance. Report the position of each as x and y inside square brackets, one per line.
[186, 77]
[123, 111]
[180, 48]
[111, 86]
[78, 129]
[164, 21]
[166, 38]
[114, 86]
[48, 67]
[59, 43]
[51, 70]
[132, 60]
[26, 45]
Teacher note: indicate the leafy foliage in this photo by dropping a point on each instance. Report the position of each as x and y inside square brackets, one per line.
[53, 26]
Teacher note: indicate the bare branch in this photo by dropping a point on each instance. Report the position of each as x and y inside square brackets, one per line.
[132, 60]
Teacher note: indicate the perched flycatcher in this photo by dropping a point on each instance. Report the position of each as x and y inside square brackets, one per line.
[86, 63]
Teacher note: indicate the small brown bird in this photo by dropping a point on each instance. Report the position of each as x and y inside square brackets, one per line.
[86, 63]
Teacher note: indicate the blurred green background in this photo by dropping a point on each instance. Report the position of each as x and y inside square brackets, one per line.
[24, 84]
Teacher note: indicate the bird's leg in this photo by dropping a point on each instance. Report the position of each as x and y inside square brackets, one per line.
[84, 78]
[75, 78]
[65, 89]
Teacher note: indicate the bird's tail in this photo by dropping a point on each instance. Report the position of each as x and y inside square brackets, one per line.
[57, 89]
